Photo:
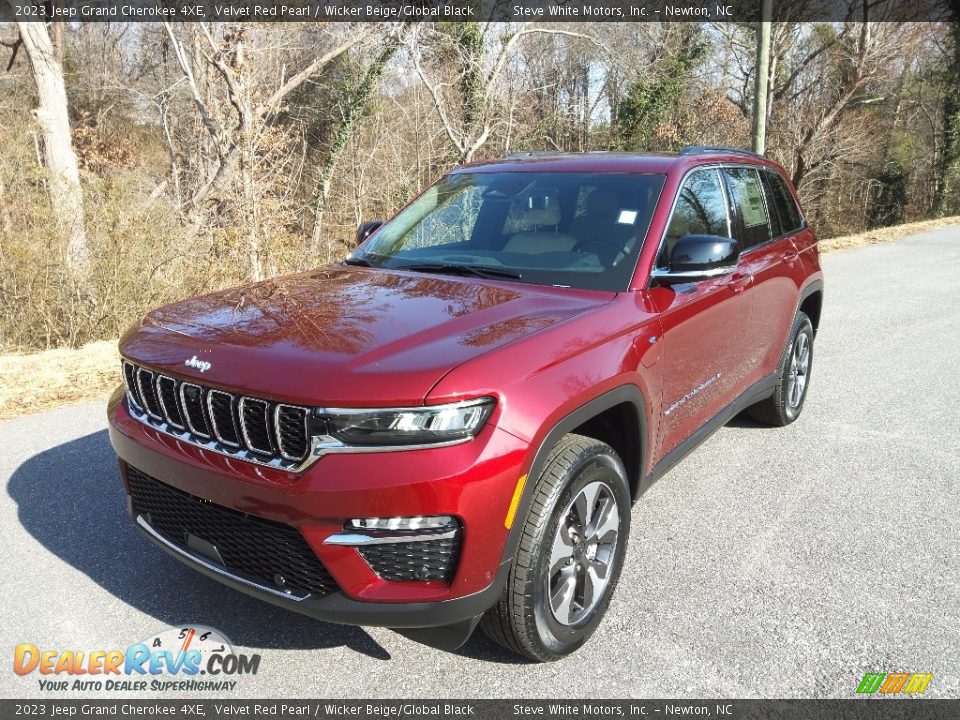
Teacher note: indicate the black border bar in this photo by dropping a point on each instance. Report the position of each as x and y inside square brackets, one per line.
[582, 709]
[544, 11]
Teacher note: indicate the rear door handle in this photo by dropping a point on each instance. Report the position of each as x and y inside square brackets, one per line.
[739, 282]
[790, 258]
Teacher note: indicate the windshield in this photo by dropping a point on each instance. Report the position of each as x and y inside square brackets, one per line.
[581, 230]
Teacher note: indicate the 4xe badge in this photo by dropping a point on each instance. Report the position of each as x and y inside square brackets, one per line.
[201, 365]
[187, 658]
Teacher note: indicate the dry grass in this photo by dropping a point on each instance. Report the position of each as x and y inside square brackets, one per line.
[881, 235]
[31, 382]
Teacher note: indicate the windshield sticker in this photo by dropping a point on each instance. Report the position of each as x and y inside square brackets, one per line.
[627, 217]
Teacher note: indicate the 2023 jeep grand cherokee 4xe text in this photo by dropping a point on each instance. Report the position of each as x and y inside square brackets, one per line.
[449, 428]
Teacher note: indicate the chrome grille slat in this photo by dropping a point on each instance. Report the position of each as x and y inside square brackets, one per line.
[192, 402]
[255, 425]
[148, 393]
[252, 429]
[167, 395]
[287, 427]
[224, 428]
[130, 380]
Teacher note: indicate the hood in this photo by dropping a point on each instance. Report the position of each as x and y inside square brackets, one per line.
[345, 335]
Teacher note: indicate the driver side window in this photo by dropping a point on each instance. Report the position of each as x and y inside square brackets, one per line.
[701, 209]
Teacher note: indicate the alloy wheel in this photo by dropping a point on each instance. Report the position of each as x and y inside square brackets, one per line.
[799, 368]
[581, 557]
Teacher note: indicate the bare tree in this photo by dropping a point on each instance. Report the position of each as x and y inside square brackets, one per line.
[352, 105]
[223, 51]
[63, 182]
[469, 119]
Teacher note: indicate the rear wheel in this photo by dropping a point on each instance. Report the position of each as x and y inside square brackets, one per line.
[570, 555]
[786, 403]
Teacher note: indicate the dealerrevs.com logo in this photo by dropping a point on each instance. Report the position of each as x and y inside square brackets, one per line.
[188, 658]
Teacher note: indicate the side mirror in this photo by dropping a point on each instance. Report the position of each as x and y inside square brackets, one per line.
[697, 257]
[367, 229]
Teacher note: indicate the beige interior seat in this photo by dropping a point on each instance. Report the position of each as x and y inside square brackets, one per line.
[538, 239]
[598, 218]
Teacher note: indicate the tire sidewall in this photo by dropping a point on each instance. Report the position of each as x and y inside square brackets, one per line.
[559, 640]
[802, 325]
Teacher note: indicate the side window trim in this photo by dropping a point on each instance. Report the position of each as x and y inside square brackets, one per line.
[727, 200]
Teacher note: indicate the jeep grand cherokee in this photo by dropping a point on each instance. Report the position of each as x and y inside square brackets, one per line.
[449, 428]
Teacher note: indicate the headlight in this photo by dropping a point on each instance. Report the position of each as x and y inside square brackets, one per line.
[428, 425]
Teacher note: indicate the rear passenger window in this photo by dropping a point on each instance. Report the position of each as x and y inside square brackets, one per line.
[781, 199]
[701, 210]
[748, 196]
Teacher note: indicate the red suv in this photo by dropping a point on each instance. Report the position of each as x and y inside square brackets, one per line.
[449, 428]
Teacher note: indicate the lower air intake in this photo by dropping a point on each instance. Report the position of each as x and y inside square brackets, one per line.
[252, 547]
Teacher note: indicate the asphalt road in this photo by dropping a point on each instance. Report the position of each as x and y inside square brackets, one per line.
[770, 563]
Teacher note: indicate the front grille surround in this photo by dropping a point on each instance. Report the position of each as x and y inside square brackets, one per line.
[272, 554]
[252, 429]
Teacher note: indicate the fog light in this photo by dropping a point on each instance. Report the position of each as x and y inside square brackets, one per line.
[433, 522]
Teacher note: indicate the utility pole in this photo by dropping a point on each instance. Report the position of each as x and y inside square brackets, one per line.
[762, 78]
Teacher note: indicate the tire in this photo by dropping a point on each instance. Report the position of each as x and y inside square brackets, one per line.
[523, 620]
[793, 378]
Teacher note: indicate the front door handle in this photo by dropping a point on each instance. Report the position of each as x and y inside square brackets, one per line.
[739, 282]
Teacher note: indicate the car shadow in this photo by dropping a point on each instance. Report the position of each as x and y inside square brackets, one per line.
[743, 420]
[72, 491]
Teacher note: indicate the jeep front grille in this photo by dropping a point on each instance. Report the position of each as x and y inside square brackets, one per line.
[268, 552]
[252, 429]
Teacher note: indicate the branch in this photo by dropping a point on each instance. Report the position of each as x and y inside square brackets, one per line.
[229, 77]
[14, 47]
[458, 143]
[312, 69]
[505, 51]
[208, 122]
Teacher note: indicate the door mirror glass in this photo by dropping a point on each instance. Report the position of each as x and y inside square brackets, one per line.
[696, 257]
[367, 229]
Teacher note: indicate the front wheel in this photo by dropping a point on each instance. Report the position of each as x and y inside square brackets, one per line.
[571, 552]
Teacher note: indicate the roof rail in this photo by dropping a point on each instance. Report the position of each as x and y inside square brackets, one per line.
[706, 149]
[535, 154]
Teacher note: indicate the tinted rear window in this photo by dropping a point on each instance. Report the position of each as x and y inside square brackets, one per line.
[748, 196]
[781, 200]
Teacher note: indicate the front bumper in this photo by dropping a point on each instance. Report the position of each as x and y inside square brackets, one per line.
[473, 482]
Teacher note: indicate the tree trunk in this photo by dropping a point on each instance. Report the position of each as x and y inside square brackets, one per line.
[66, 196]
[760, 95]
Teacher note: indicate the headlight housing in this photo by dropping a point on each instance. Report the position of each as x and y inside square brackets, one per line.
[398, 427]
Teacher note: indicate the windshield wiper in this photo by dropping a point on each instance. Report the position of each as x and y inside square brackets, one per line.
[453, 269]
[359, 262]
